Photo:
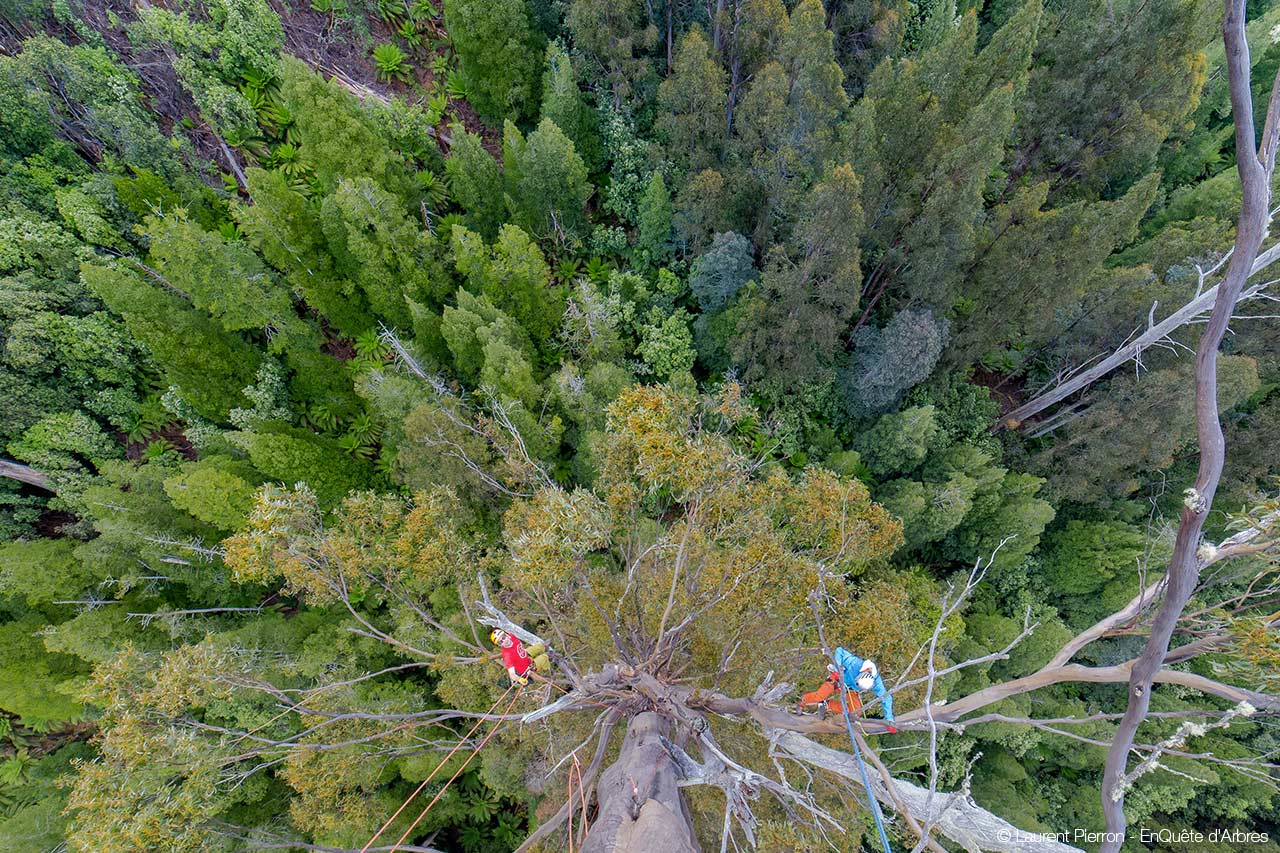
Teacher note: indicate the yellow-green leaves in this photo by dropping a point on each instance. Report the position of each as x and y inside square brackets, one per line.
[375, 542]
[835, 520]
[549, 534]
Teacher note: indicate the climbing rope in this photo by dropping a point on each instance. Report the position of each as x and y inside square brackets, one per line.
[433, 773]
[570, 785]
[582, 791]
[457, 772]
[576, 770]
[866, 781]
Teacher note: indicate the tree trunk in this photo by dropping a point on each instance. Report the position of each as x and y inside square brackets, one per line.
[1152, 336]
[1255, 168]
[24, 474]
[641, 808]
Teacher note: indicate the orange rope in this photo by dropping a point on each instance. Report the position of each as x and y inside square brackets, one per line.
[582, 791]
[576, 770]
[569, 781]
[418, 790]
[455, 775]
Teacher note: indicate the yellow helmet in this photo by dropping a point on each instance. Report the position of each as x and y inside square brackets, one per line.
[495, 636]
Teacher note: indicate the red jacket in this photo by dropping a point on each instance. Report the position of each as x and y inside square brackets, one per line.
[515, 656]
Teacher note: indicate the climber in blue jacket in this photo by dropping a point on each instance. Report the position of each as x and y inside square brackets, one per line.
[857, 674]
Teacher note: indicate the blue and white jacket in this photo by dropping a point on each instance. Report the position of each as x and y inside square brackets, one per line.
[850, 665]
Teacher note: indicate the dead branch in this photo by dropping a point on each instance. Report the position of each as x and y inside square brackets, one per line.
[24, 474]
[958, 818]
[588, 777]
[1133, 349]
[1255, 168]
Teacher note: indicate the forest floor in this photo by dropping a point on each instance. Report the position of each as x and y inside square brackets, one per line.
[334, 46]
[337, 46]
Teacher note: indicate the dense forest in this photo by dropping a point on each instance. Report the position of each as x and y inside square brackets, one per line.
[687, 339]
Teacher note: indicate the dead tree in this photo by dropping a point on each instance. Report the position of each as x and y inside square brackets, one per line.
[1154, 335]
[1255, 167]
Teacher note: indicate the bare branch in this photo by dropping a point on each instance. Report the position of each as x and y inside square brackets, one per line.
[958, 818]
[24, 474]
[1255, 172]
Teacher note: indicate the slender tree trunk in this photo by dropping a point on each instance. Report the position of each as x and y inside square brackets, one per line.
[24, 474]
[1255, 177]
[1154, 334]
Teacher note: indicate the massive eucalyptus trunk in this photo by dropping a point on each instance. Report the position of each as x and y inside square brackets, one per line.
[641, 807]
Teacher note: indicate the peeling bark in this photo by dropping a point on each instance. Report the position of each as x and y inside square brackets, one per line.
[641, 808]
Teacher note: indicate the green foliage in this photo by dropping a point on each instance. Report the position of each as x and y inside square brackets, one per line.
[667, 346]
[1102, 133]
[629, 164]
[499, 53]
[897, 443]
[1020, 243]
[473, 327]
[476, 183]
[888, 362]
[289, 454]
[379, 248]
[563, 103]
[215, 491]
[693, 106]
[546, 182]
[790, 329]
[392, 62]
[654, 220]
[226, 279]
[927, 134]
[65, 446]
[41, 571]
[719, 273]
[237, 38]
[99, 98]
[55, 361]
[283, 226]
[614, 36]
[36, 685]
[513, 275]
[339, 138]
[286, 418]
[206, 364]
[1102, 454]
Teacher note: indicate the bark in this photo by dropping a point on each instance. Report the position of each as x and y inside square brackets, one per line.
[953, 712]
[588, 776]
[1077, 674]
[641, 808]
[1255, 178]
[24, 474]
[1152, 336]
[954, 814]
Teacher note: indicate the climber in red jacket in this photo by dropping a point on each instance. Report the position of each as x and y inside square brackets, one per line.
[517, 659]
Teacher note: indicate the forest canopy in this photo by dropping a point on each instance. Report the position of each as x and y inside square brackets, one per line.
[691, 346]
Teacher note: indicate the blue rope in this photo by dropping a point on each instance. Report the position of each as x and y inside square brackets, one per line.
[866, 782]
